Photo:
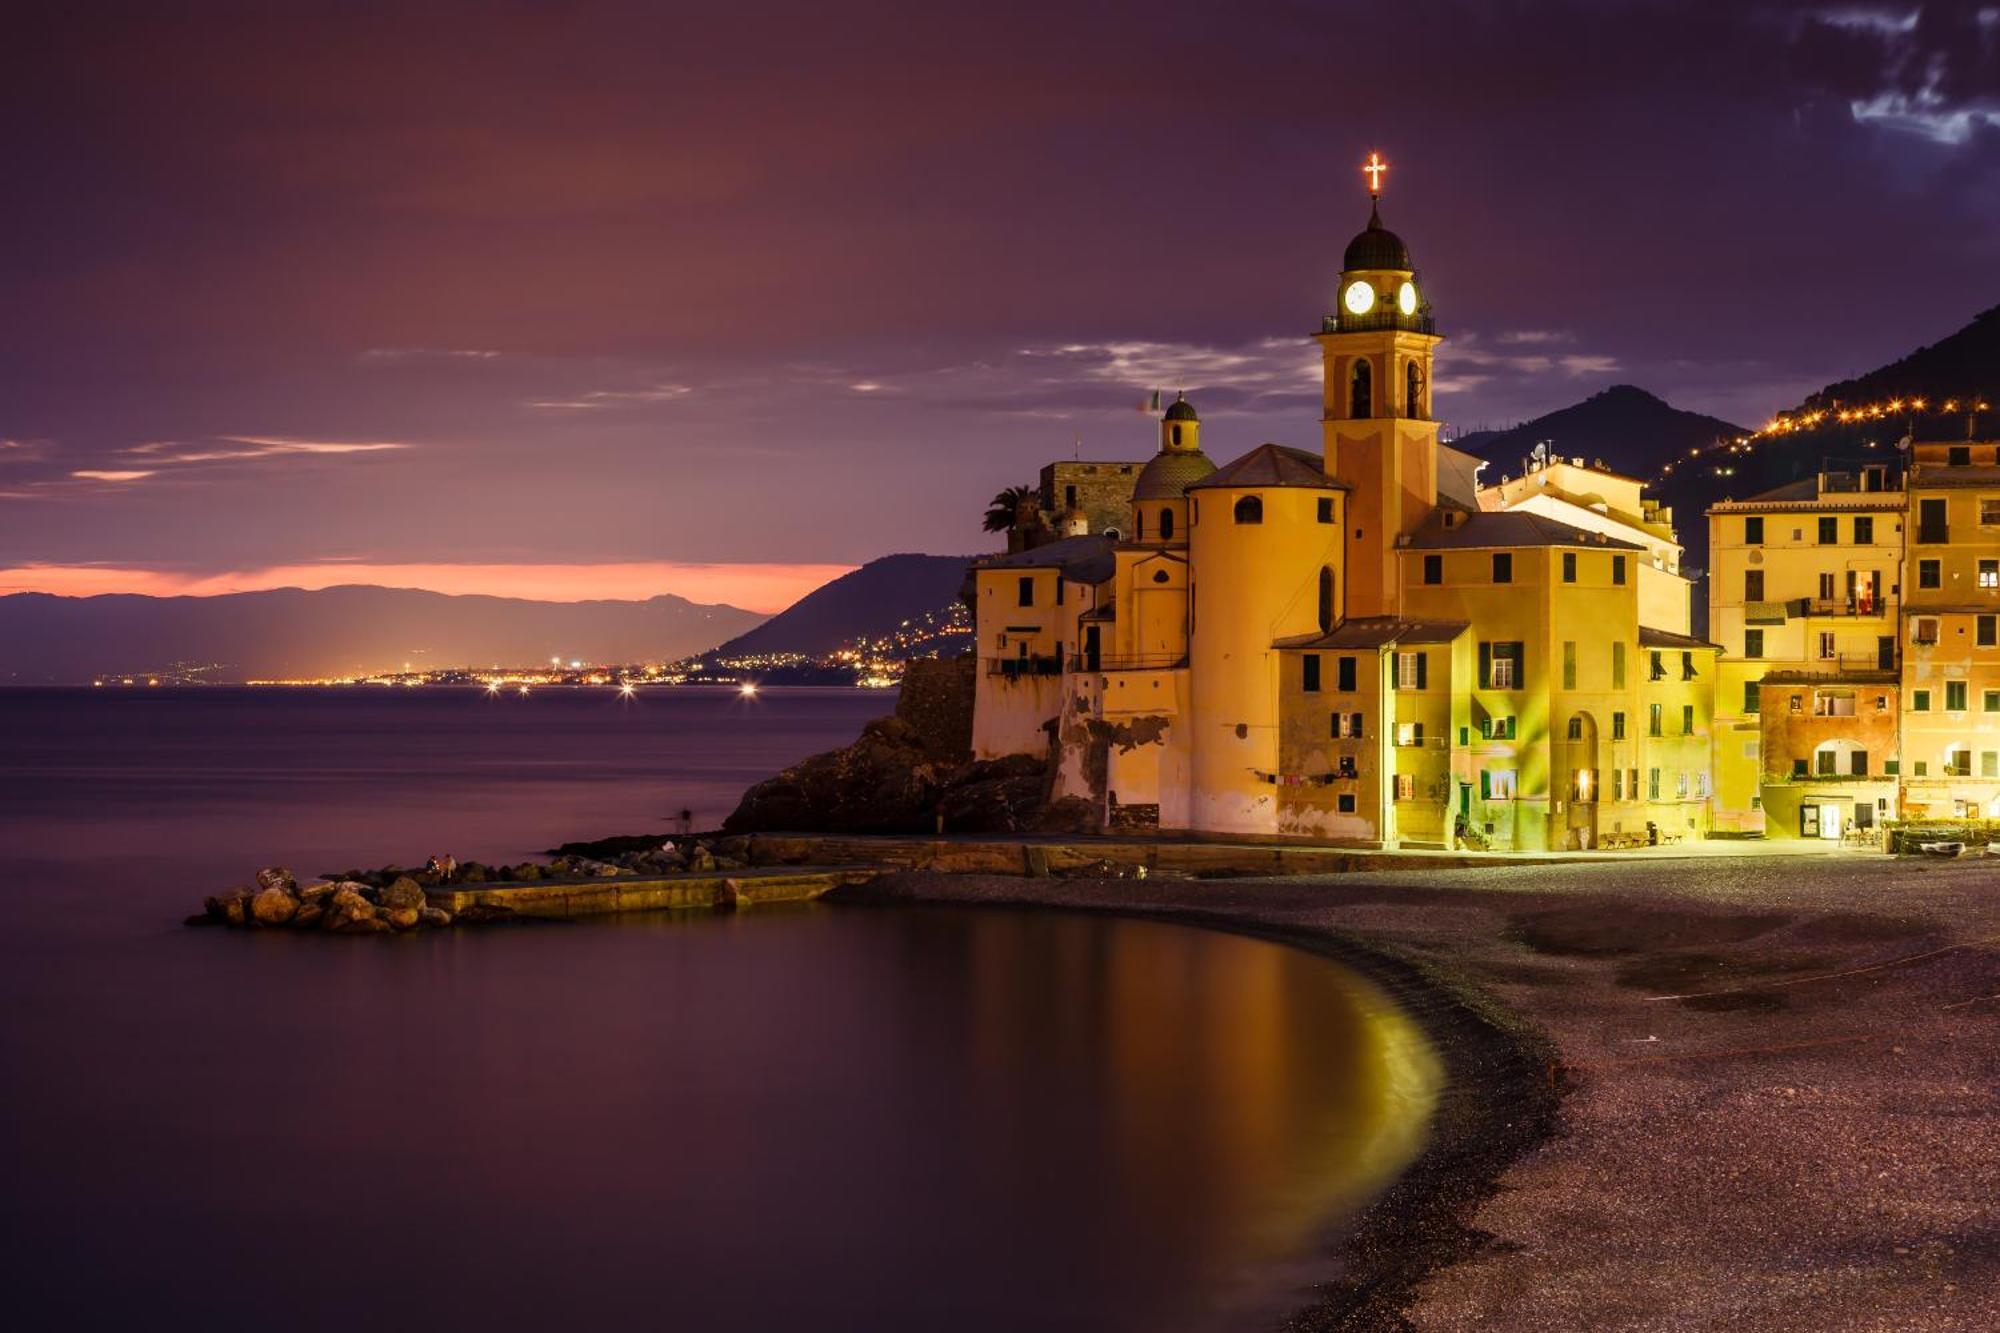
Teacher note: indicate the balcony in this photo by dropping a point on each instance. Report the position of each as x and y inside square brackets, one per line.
[1843, 606]
[1127, 661]
[1014, 667]
[1376, 321]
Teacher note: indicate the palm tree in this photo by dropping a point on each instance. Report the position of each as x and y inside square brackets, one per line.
[1001, 511]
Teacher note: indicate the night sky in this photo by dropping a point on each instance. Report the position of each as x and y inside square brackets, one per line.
[424, 294]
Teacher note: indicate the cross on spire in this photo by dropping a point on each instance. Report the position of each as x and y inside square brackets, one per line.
[1373, 169]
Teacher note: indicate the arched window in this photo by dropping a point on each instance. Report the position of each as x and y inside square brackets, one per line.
[1361, 398]
[1325, 598]
[1413, 391]
[1177, 434]
[1138, 525]
[1166, 525]
[1250, 509]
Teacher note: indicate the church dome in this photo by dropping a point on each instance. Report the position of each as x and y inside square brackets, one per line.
[1181, 410]
[1377, 247]
[1167, 475]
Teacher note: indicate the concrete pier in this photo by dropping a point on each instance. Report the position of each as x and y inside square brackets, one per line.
[553, 899]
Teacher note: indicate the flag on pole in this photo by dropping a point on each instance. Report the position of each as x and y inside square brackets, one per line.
[1150, 404]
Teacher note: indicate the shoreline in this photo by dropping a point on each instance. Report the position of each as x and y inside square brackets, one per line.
[1422, 1219]
[1749, 1092]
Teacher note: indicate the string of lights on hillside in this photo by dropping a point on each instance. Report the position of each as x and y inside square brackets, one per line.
[1786, 423]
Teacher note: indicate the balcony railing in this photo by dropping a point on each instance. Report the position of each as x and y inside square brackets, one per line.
[1127, 661]
[1376, 321]
[1844, 606]
[1012, 667]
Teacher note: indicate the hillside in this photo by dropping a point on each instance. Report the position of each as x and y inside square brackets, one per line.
[1963, 365]
[871, 602]
[292, 633]
[1628, 429]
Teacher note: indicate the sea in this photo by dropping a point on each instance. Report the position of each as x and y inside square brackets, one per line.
[818, 1117]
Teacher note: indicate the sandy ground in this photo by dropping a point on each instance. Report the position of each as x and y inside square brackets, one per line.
[1778, 1080]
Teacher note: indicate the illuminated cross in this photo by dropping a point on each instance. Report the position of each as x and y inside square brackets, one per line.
[1373, 169]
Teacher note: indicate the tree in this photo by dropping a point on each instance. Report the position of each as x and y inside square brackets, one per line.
[1000, 512]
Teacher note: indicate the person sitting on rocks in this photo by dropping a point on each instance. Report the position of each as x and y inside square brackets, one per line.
[444, 867]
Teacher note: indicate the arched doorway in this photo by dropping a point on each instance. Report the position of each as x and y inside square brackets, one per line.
[1580, 779]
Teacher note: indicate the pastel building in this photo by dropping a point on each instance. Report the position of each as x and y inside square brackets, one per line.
[1364, 643]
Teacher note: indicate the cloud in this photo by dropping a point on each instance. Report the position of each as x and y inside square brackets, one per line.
[1928, 70]
[254, 447]
[98, 474]
[754, 587]
[391, 354]
[602, 398]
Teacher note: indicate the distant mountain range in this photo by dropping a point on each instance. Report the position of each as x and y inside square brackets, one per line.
[1624, 427]
[871, 602]
[290, 633]
[1961, 366]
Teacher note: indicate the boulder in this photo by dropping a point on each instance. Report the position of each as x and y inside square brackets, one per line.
[231, 905]
[276, 877]
[402, 918]
[885, 782]
[995, 795]
[315, 891]
[273, 906]
[701, 861]
[404, 894]
[525, 870]
[472, 873]
[347, 904]
[307, 916]
[434, 916]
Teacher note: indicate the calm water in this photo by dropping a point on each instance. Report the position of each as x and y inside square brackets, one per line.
[827, 1118]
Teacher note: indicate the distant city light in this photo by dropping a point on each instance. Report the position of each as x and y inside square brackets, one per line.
[625, 690]
[524, 691]
[748, 689]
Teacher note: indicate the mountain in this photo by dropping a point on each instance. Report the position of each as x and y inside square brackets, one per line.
[290, 633]
[1626, 428]
[1966, 364]
[870, 602]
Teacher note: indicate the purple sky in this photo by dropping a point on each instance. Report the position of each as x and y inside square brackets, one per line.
[570, 284]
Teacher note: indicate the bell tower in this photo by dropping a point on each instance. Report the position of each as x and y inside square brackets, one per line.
[1380, 438]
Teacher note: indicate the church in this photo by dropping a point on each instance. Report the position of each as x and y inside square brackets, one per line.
[1361, 644]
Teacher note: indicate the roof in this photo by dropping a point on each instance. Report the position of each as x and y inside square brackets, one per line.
[1457, 473]
[1080, 559]
[1924, 476]
[1169, 473]
[1378, 632]
[1666, 638]
[1509, 527]
[1376, 246]
[1806, 493]
[1180, 410]
[1270, 465]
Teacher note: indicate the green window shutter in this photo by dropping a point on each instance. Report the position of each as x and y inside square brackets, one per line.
[1485, 785]
[1485, 666]
[1423, 670]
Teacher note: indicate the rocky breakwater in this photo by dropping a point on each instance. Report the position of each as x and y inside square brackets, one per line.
[277, 901]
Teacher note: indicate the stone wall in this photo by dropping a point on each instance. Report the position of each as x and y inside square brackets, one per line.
[1101, 490]
[936, 700]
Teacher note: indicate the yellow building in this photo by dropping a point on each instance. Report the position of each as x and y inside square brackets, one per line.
[1361, 644]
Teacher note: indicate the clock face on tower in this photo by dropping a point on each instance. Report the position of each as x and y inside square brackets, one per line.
[1359, 298]
[1406, 298]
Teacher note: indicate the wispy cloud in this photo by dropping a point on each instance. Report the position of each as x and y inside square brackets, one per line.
[255, 447]
[1925, 70]
[106, 474]
[607, 398]
[380, 354]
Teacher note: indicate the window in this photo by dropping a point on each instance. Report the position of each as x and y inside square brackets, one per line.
[1503, 567]
[1344, 673]
[1138, 525]
[1753, 531]
[1989, 573]
[1928, 574]
[1857, 763]
[1618, 569]
[1753, 585]
[1569, 566]
[1409, 733]
[1345, 802]
[1826, 587]
[1652, 784]
[1833, 703]
[1984, 631]
[1617, 784]
[1433, 569]
[1347, 768]
[1166, 525]
[1411, 670]
[1360, 396]
[1312, 673]
[1864, 531]
[1954, 696]
[1347, 726]
[1413, 391]
[1829, 531]
[1406, 787]
[1656, 665]
[1825, 760]
[1026, 591]
[1989, 513]
[1687, 719]
[1617, 666]
[1569, 664]
[1798, 768]
[1931, 526]
[1919, 769]
[1324, 510]
[1618, 726]
[1826, 648]
[1576, 727]
[1924, 629]
[1069, 497]
[1958, 762]
[1325, 598]
[1687, 667]
[1653, 719]
[1920, 701]
[1960, 455]
[1250, 509]
[1796, 704]
[1753, 643]
[1989, 763]
[1500, 666]
[1498, 784]
[1749, 696]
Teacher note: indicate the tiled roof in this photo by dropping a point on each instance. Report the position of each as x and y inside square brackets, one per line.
[1935, 476]
[1271, 465]
[1376, 631]
[1504, 528]
[1664, 638]
[1081, 559]
[1456, 471]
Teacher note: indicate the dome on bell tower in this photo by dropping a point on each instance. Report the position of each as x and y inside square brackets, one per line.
[1376, 247]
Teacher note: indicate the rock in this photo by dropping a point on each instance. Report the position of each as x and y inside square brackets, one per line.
[307, 916]
[434, 916]
[404, 894]
[315, 891]
[402, 918]
[599, 869]
[276, 877]
[736, 845]
[273, 906]
[885, 782]
[348, 905]
[701, 861]
[730, 863]
[473, 873]
[995, 795]
[526, 870]
[368, 925]
[220, 905]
